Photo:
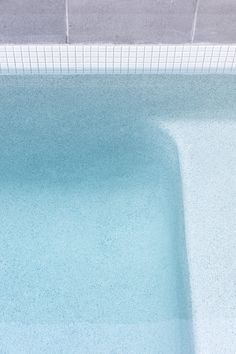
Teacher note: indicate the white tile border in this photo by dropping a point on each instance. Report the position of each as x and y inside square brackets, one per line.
[117, 59]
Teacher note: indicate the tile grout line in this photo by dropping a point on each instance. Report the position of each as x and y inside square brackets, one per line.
[194, 21]
[46, 58]
[67, 21]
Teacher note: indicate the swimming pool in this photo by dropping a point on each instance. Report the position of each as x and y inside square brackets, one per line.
[93, 252]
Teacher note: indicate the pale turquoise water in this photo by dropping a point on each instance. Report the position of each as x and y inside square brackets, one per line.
[92, 256]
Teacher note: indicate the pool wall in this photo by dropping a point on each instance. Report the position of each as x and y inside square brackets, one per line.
[117, 59]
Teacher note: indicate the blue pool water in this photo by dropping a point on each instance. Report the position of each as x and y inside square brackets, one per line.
[92, 256]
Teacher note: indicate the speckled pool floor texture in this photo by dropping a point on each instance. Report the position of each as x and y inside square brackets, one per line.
[93, 243]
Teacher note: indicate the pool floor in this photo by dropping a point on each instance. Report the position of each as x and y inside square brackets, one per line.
[92, 256]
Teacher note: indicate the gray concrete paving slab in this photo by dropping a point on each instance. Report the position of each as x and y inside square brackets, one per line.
[117, 21]
[131, 21]
[216, 21]
[32, 21]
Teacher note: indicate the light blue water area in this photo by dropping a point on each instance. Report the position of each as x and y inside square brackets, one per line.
[92, 255]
